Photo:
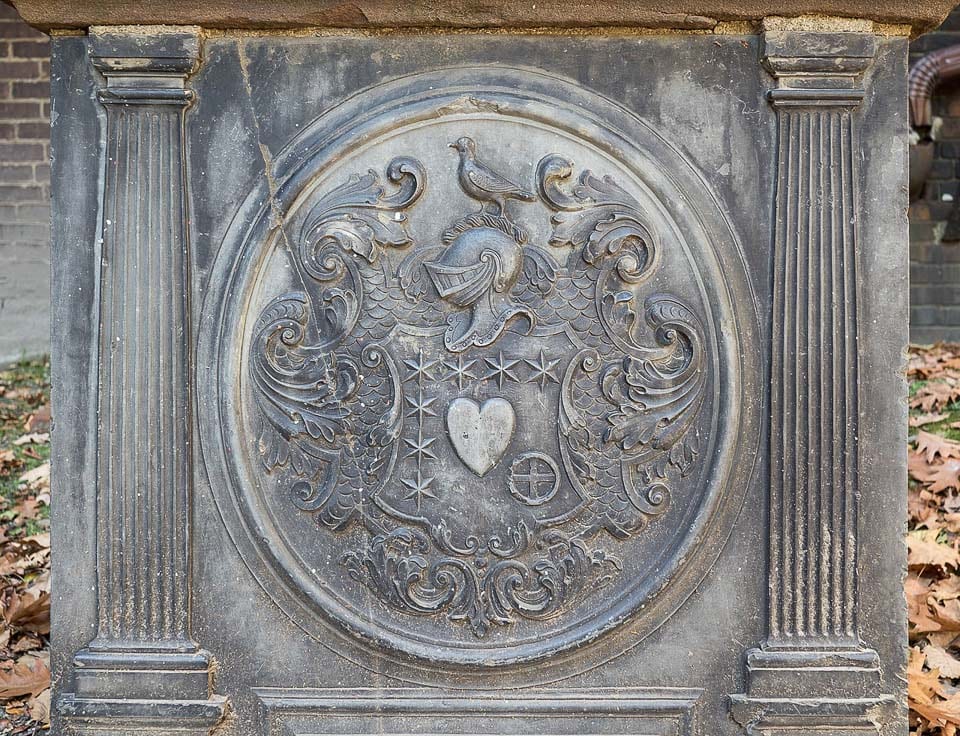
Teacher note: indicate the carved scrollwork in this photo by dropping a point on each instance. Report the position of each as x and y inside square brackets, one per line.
[397, 568]
[357, 442]
[597, 217]
[360, 217]
[301, 389]
[658, 396]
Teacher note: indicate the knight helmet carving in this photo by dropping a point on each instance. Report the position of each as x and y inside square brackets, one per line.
[477, 270]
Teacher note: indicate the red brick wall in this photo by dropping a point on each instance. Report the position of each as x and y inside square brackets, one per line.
[24, 186]
[934, 262]
[24, 132]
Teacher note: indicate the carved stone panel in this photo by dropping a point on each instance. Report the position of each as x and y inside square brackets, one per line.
[522, 383]
[474, 388]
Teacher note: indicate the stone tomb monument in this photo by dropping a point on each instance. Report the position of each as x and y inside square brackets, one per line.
[529, 379]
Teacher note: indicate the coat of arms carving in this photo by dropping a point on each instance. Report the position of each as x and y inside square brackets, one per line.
[484, 415]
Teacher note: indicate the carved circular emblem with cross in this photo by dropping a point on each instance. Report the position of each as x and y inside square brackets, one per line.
[534, 478]
[480, 405]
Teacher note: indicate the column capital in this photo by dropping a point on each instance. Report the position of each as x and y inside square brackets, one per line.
[146, 64]
[817, 69]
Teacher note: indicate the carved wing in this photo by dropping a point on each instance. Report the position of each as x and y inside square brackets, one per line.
[327, 394]
[312, 401]
[490, 181]
[300, 391]
[303, 394]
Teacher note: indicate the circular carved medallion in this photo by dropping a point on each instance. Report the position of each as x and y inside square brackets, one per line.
[479, 386]
[534, 478]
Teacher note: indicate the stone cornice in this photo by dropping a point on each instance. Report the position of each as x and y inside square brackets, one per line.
[919, 15]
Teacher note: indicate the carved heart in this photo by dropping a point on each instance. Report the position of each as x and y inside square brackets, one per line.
[480, 434]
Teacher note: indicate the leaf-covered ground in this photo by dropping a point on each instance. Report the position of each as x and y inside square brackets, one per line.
[25, 548]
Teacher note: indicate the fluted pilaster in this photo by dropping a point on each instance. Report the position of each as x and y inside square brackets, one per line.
[813, 672]
[144, 427]
[813, 475]
[143, 656]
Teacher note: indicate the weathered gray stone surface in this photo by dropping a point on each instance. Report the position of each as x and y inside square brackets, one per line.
[587, 425]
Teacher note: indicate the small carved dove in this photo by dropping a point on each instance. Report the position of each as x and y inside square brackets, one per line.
[483, 183]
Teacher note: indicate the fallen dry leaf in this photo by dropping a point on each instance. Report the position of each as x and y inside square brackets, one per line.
[38, 541]
[35, 438]
[29, 675]
[941, 659]
[29, 611]
[917, 591]
[38, 478]
[26, 643]
[923, 550]
[944, 712]
[8, 461]
[947, 615]
[942, 639]
[922, 507]
[936, 395]
[30, 395]
[39, 421]
[922, 686]
[938, 476]
[933, 446]
[947, 589]
[39, 707]
[921, 420]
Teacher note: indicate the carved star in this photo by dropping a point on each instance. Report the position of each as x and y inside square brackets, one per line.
[419, 488]
[419, 368]
[420, 406]
[460, 370]
[421, 448]
[542, 370]
[502, 369]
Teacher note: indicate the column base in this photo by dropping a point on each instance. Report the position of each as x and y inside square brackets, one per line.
[134, 689]
[114, 717]
[812, 717]
[813, 673]
[148, 673]
[813, 692]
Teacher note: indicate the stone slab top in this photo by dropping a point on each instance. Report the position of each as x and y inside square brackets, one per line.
[915, 16]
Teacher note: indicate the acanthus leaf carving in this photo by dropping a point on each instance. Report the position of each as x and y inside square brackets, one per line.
[395, 566]
[351, 215]
[598, 218]
[659, 395]
[300, 390]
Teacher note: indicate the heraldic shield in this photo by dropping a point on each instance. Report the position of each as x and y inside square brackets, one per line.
[487, 383]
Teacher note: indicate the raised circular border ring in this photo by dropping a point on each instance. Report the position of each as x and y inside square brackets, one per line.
[566, 106]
